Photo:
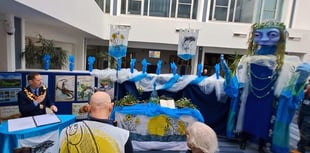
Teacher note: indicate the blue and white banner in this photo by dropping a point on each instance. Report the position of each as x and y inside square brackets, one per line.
[187, 43]
[47, 143]
[118, 41]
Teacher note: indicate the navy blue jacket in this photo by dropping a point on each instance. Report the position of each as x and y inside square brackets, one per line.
[28, 108]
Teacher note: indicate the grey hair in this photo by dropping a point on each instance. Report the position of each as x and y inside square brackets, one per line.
[203, 137]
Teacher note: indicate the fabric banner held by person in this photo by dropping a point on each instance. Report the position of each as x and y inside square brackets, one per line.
[187, 43]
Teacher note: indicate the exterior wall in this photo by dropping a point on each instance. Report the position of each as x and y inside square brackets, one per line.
[7, 46]
[84, 15]
[302, 11]
[73, 43]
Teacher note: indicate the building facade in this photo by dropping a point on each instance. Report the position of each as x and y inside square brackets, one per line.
[82, 28]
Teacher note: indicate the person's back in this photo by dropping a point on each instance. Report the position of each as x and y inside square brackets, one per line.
[92, 136]
[97, 134]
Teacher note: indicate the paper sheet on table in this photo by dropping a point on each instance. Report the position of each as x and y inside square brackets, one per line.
[46, 119]
[167, 103]
[20, 123]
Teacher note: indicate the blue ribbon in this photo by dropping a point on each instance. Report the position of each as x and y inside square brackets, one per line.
[91, 61]
[46, 61]
[144, 65]
[119, 64]
[158, 69]
[173, 68]
[132, 64]
[199, 69]
[71, 62]
[217, 70]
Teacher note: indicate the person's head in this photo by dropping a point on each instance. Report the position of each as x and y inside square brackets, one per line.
[34, 80]
[205, 71]
[201, 138]
[100, 105]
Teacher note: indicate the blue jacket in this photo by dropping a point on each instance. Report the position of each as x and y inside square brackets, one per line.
[27, 106]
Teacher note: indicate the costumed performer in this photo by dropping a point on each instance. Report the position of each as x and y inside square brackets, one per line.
[266, 89]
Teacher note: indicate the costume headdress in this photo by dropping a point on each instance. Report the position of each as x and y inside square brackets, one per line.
[280, 51]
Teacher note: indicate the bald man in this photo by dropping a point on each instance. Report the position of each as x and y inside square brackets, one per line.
[97, 134]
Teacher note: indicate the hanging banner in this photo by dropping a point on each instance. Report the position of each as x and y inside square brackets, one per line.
[118, 41]
[187, 43]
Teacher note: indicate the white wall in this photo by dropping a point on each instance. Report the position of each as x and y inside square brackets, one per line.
[301, 16]
[83, 14]
[73, 43]
[7, 47]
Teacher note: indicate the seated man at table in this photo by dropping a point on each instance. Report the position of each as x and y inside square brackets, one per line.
[97, 134]
[34, 99]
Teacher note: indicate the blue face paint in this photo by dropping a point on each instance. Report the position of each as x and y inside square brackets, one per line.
[267, 36]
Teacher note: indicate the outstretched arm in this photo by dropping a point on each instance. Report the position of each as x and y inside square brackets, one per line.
[226, 69]
[304, 72]
[231, 86]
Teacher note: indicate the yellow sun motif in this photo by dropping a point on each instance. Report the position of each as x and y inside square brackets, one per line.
[84, 140]
[158, 125]
[181, 127]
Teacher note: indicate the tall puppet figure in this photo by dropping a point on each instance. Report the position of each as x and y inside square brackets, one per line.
[266, 89]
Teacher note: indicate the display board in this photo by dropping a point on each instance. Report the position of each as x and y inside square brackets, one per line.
[69, 90]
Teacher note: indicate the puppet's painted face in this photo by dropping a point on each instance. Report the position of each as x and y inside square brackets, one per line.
[267, 36]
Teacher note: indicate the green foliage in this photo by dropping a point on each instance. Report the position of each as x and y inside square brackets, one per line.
[34, 52]
[127, 100]
[235, 58]
[184, 102]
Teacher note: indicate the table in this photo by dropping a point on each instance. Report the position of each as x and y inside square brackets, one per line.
[37, 135]
[153, 127]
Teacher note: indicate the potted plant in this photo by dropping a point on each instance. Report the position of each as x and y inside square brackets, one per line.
[127, 100]
[36, 50]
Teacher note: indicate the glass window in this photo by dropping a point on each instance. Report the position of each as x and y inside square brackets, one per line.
[145, 10]
[107, 6]
[173, 8]
[184, 11]
[185, 1]
[162, 11]
[222, 3]
[134, 7]
[104, 5]
[245, 10]
[161, 8]
[268, 10]
[123, 6]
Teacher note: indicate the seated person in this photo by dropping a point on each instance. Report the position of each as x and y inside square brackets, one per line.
[201, 138]
[34, 99]
[97, 134]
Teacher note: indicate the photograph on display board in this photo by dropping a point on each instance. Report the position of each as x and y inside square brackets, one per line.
[64, 87]
[85, 86]
[80, 110]
[10, 85]
[9, 112]
[106, 86]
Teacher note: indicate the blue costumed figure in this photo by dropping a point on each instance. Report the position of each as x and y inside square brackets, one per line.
[265, 89]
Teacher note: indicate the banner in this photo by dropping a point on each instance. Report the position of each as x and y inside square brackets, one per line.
[118, 41]
[47, 143]
[187, 43]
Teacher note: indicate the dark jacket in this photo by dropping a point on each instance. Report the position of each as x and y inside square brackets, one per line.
[26, 105]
